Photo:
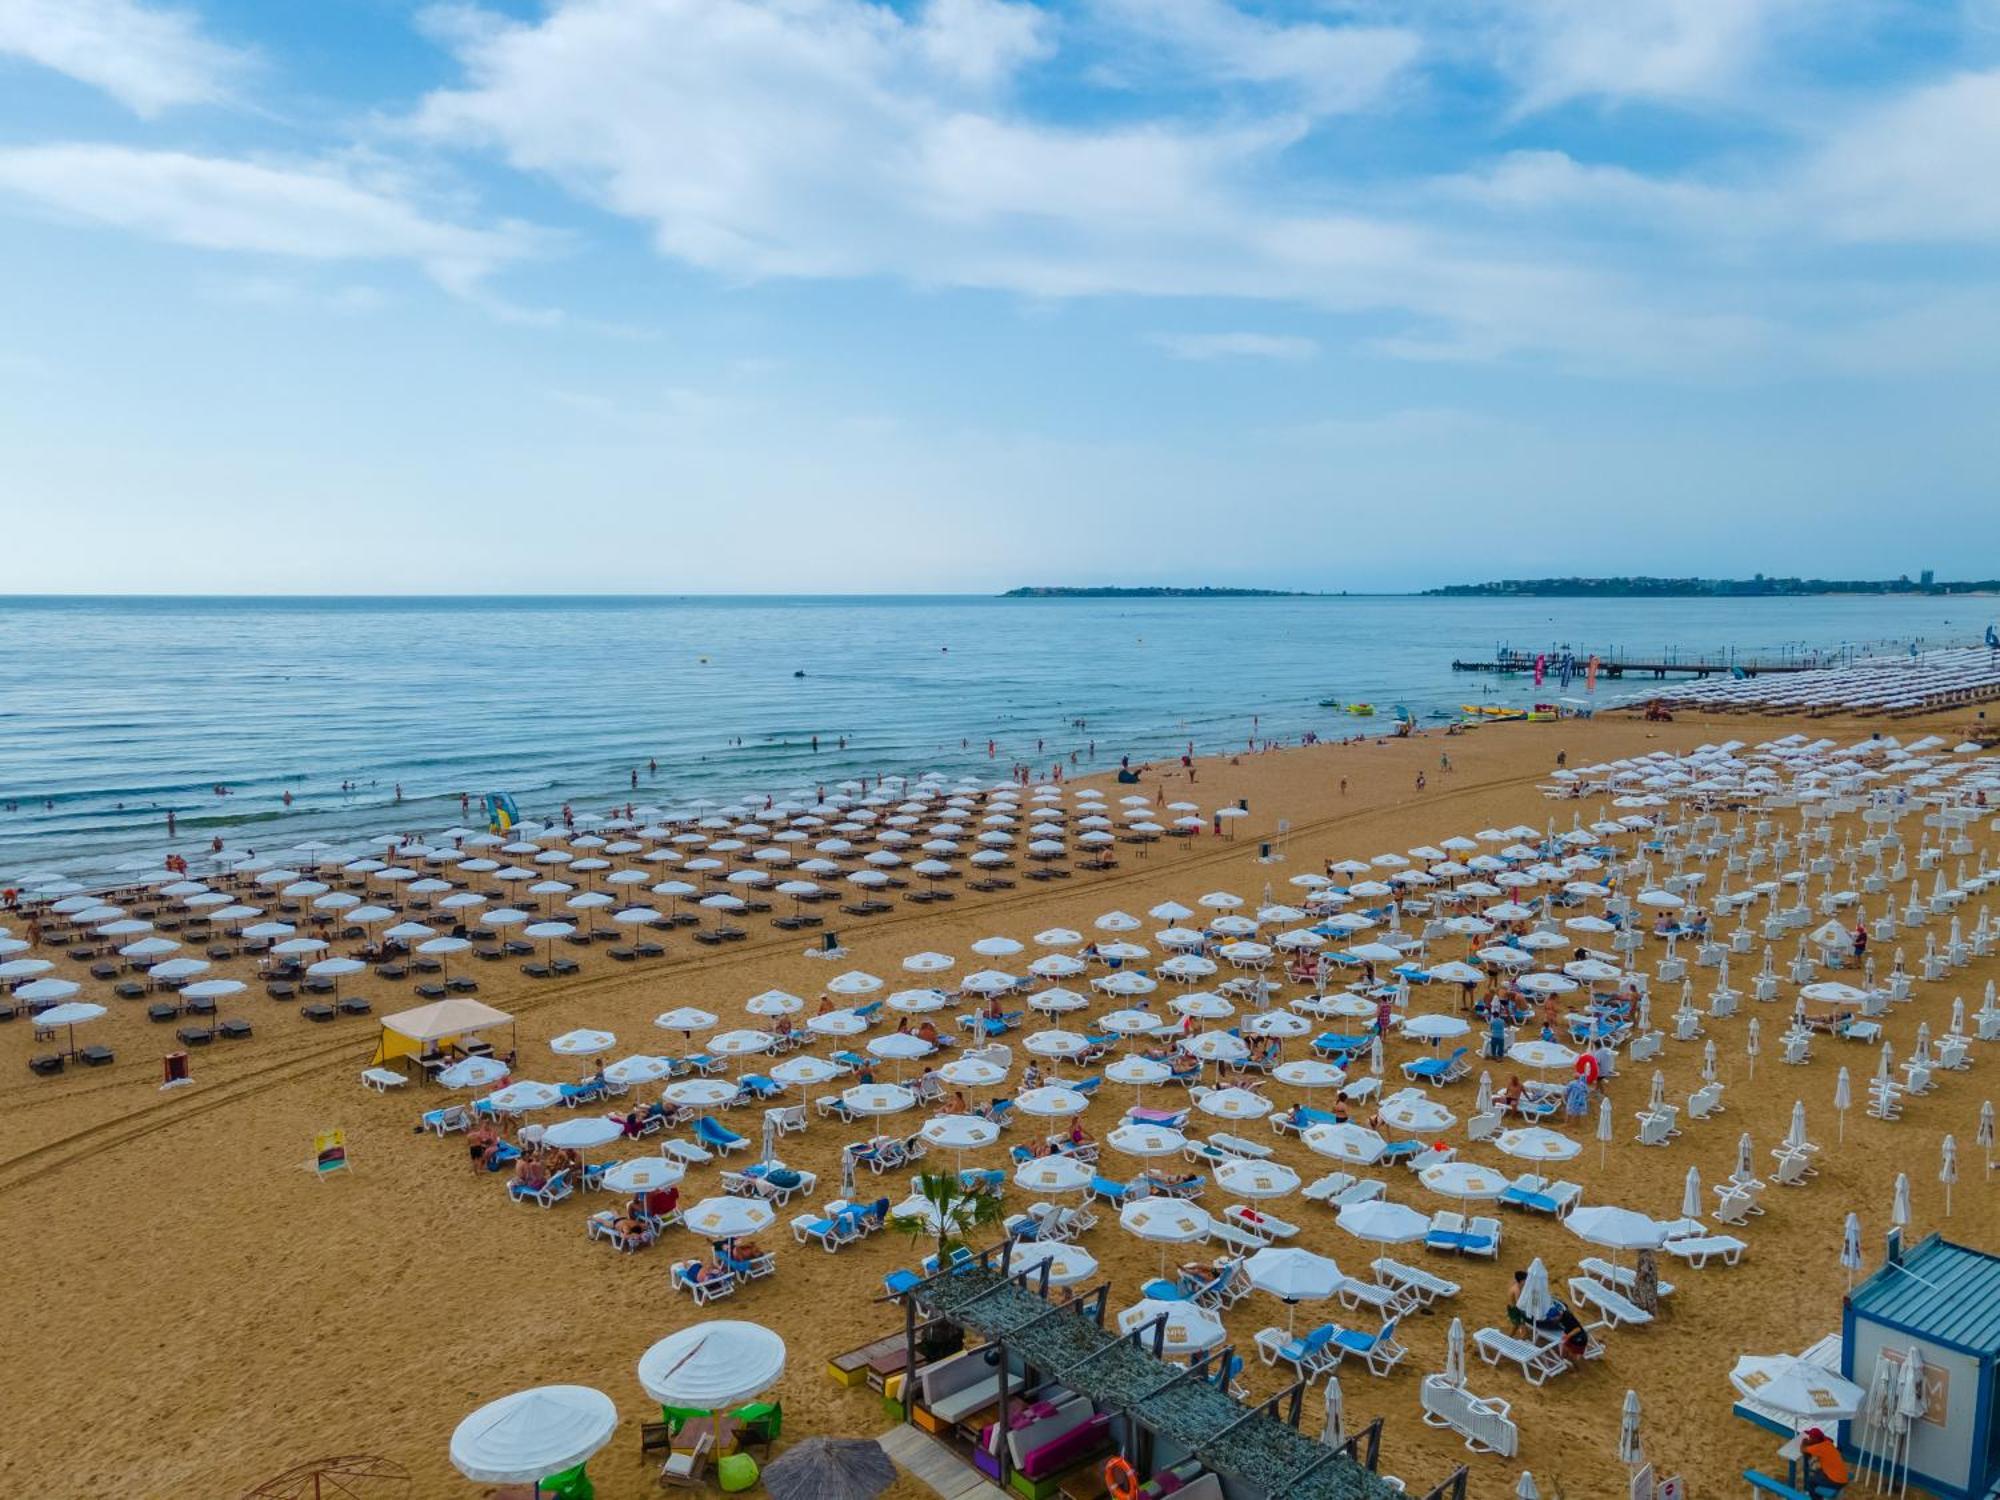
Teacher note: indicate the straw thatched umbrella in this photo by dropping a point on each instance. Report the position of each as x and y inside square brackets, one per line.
[823, 1468]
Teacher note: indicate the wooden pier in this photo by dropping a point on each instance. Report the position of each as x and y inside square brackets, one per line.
[1507, 659]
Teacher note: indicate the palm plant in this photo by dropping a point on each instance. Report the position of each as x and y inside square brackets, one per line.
[955, 1212]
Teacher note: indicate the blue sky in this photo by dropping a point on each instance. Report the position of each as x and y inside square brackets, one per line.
[822, 295]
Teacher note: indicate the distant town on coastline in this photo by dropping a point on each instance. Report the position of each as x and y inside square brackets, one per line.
[1644, 587]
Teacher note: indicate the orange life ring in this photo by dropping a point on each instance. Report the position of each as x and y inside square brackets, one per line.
[1121, 1480]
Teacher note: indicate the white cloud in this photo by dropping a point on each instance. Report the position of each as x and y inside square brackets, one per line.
[1329, 69]
[1204, 346]
[311, 211]
[1668, 51]
[821, 138]
[148, 58]
[1922, 167]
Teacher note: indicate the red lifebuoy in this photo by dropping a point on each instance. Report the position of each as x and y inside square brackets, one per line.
[1586, 1065]
[1121, 1480]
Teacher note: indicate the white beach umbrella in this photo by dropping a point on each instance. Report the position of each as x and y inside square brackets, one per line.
[473, 1073]
[1308, 1073]
[929, 963]
[973, 1072]
[685, 1019]
[1166, 1221]
[1256, 1179]
[1190, 1327]
[1796, 1387]
[1383, 1222]
[900, 1046]
[699, 1093]
[728, 1218]
[1145, 1141]
[1216, 1046]
[960, 1132]
[637, 1069]
[583, 1042]
[584, 1133]
[742, 1043]
[1464, 1180]
[1615, 1228]
[525, 1095]
[642, 1174]
[1345, 1142]
[1534, 1143]
[1053, 1174]
[1069, 1265]
[1542, 1056]
[1293, 1275]
[803, 1072]
[877, 1099]
[1051, 1102]
[1234, 1104]
[523, 1438]
[1416, 1112]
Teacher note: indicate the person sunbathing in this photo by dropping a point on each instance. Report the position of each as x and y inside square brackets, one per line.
[633, 1125]
[531, 1174]
[1511, 1096]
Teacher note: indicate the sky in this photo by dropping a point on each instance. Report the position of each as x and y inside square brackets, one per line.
[922, 296]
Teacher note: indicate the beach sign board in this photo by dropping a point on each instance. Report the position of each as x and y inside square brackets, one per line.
[329, 1152]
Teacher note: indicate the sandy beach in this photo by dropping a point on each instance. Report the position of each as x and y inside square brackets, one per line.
[190, 1311]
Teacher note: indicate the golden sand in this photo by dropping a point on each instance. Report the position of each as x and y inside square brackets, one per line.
[188, 1311]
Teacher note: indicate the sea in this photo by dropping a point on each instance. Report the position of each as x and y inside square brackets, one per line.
[376, 715]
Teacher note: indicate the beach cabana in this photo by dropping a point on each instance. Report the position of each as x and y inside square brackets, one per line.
[434, 1027]
[1942, 1301]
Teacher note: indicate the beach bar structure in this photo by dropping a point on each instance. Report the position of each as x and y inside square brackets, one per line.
[429, 1028]
[1941, 1300]
[1075, 1395]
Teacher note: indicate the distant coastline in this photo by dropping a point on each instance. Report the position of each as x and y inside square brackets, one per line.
[1047, 591]
[1758, 587]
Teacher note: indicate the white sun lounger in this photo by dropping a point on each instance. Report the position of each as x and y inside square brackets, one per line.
[1698, 1250]
[1538, 1362]
[1486, 1424]
[1614, 1308]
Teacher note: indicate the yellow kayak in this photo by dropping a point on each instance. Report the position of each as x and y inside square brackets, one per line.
[1362, 710]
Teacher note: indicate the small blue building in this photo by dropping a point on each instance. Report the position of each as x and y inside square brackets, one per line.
[1943, 1300]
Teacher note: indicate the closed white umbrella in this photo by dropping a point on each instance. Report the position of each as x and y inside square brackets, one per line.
[1604, 1129]
[1843, 1099]
[1850, 1248]
[1525, 1488]
[523, 1438]
[1630, 1451]
[1899, 1213]
[1948, 1170]
[1534, 1298]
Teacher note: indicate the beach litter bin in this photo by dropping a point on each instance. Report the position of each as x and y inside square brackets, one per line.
[174, 1070]
[736, 1471]
[571, 1484]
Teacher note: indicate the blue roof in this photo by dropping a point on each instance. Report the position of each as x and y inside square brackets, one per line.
[1941, 1291]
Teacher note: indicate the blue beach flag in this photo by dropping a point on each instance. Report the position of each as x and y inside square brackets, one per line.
[501, 813]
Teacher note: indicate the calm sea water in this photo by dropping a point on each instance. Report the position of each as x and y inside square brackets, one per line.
[113, 711]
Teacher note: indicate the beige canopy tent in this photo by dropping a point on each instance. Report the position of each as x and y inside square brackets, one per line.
[411, 1032]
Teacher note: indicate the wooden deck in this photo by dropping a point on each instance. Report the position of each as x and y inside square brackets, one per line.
[933, 1463]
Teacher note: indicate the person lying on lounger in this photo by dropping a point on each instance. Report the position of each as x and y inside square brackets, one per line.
[531, 1174]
